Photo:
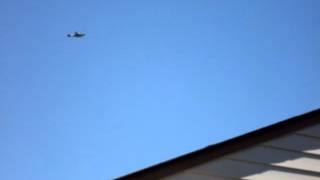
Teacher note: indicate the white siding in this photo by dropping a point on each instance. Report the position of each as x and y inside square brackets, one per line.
[297, 142]
[292, 157]
[279, 157]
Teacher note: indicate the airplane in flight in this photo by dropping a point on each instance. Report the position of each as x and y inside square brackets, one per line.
[76, 35]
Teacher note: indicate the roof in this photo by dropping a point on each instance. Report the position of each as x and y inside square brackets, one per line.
[224, 148]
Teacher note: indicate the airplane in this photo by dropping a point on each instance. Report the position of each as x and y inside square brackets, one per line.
[76, 35]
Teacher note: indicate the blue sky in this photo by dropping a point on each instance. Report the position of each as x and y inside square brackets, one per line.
[152, 80]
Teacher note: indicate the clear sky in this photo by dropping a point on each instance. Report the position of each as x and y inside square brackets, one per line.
[152, 80]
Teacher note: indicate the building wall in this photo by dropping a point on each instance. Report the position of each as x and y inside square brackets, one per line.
[292, 157]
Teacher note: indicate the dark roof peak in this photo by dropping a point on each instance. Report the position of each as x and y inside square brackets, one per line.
[221, 149]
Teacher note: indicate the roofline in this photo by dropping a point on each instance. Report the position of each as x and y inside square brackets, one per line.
[226, 147]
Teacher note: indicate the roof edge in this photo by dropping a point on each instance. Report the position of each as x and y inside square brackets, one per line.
[226, 147]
